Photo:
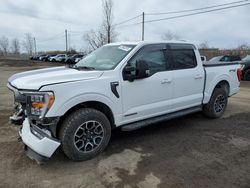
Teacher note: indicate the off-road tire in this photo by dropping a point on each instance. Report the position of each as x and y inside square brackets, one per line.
[71, 125]
[209, 109]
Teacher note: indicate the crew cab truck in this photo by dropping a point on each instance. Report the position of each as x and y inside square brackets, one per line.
[127, 85]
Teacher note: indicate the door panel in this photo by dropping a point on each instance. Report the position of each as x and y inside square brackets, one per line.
[188, 79]
[148, 97]
[188, 88]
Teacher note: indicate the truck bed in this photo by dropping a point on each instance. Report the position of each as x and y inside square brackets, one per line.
[215, 73]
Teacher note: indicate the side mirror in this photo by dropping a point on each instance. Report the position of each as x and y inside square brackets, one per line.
[128, 73]
[203, 58]
[142, 69]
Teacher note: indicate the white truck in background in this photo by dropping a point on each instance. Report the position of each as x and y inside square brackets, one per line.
[127, 85]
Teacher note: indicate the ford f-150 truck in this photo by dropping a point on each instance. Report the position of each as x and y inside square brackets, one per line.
[126, 85]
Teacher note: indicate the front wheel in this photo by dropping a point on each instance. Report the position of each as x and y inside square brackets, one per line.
[216, 107]
[84, 134]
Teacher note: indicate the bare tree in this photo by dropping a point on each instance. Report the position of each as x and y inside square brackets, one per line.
[243, 46]
[95, 39]
[28, 43]
[170, 36]
[106, 33]
[15, 46]
[4, 44]
[204, 45]
[108, 16]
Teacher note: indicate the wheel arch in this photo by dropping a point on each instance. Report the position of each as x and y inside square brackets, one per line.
[223, 83]
[244, 71]
[218, 84]
[100, 106]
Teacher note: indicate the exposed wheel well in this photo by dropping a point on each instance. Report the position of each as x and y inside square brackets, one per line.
[244, 71]
[90, 104]
[224, 84]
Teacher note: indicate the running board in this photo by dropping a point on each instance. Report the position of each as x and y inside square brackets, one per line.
[144, 123]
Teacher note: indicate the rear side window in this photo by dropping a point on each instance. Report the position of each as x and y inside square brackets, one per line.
[183, 59]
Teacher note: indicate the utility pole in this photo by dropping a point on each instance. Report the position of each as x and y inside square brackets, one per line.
[69, 41]
[35, 44]
[108, 33]
[143, 20]
[66, 39]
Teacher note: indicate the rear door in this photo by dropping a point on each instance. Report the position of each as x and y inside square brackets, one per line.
[188, 76]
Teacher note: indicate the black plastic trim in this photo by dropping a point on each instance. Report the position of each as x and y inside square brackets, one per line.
[130, 114]
[34, 155]
[219, 64]
[146, 122]
[113, 86]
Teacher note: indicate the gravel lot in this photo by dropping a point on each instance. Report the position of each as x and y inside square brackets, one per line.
[192, 151]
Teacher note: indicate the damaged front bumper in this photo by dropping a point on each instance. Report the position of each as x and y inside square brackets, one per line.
[39, 145]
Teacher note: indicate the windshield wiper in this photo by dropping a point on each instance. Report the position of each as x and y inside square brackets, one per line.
[83, 68]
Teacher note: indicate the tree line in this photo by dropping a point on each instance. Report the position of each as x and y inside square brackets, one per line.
[15, 46]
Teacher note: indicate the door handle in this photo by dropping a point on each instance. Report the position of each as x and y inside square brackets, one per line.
[166, 81]
[198, 76]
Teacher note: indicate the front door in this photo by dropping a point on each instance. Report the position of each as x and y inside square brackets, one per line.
[151, 96]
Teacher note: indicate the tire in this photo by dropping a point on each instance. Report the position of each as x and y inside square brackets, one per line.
[216, 107]
[84, 134]
[247, 75]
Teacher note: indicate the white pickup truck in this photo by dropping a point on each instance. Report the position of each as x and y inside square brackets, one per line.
[127, 85]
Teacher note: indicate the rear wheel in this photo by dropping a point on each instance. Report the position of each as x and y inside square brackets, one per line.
[247, 75]
[217, 104]
[84, 134]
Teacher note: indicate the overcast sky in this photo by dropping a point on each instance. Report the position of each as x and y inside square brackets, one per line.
[47, 19]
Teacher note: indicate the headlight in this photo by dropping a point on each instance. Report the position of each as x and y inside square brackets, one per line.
[39, 103]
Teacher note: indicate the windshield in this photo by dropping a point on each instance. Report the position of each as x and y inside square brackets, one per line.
[215, 59]
[247, 58]
[105, 58]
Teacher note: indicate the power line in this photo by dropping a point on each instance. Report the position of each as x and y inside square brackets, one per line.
[191, 10]
[191, 14]
[185, 15]
[127, 25]
[125, 21]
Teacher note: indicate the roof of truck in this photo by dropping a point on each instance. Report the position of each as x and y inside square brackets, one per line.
[150, 42]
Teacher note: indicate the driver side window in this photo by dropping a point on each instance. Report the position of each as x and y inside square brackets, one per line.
[154, 56]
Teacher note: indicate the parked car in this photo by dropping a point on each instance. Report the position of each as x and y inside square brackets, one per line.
[225, 58]
[246, 68]
[58, 58]
[36, 57]
[46, 58]
[74, 58]
[127, 85]
[41, 57]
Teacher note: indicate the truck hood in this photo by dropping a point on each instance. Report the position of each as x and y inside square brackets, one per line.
[34, 80]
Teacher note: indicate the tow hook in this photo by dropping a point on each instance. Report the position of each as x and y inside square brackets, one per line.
[18, 116]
